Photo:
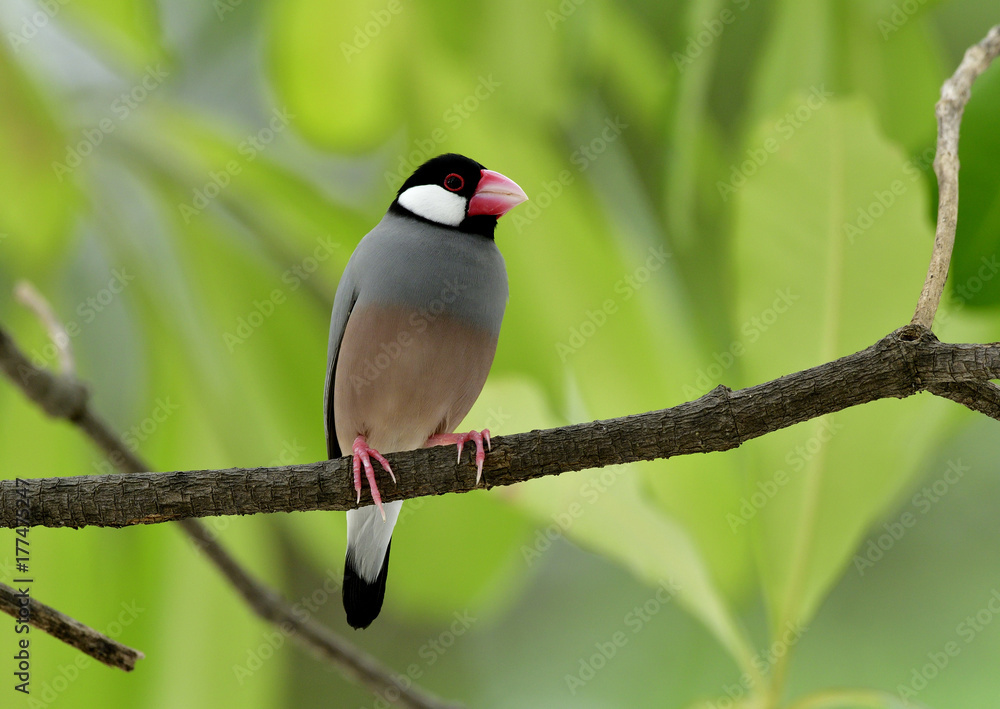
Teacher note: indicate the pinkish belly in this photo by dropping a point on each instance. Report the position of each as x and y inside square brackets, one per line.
[402, 377]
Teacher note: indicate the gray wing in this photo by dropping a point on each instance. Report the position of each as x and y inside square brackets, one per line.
[343, 304]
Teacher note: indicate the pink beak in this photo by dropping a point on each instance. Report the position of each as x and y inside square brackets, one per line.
[495, 195]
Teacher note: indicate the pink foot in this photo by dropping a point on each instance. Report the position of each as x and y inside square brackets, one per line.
[448, 439]
[361, 457]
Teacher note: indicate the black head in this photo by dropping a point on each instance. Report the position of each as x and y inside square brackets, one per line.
[454, 191]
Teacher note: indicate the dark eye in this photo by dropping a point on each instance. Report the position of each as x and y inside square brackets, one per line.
[454, 182]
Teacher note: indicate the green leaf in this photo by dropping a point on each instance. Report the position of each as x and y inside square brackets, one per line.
[617, 44]
[900, 72]
[977, 240]
[797, 55]
[853, 47]
[681, 167]
[831, 244]
[605, 510]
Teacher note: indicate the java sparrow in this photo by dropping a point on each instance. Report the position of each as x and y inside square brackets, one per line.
[414, 329]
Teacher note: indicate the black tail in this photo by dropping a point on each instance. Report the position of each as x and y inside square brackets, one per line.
[363, 600]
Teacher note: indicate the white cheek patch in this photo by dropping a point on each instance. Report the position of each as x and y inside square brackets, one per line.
[435, 203]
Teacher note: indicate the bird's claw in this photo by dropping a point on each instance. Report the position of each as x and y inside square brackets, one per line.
[460, 439]
[362, 457]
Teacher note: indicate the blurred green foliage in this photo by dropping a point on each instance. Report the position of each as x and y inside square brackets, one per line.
[722, 192]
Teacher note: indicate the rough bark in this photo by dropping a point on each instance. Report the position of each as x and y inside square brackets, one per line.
[903, 363]
[70, 631]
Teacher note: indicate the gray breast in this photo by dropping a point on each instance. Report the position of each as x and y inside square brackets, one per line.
[439, 270]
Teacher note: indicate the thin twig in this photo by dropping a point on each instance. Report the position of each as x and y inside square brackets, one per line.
[353, 662]
[64, 397]
[72, 632]
[29, 296]
[954, 96]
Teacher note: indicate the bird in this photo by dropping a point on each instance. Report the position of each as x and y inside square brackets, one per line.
[414, 329]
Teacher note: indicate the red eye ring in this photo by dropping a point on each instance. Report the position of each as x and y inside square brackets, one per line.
[454, 182]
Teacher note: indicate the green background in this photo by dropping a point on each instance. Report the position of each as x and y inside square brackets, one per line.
[722, 192]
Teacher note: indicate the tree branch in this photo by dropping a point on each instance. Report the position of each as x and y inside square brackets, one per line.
[903, 363]
[954, 95]
[64, 397]
[70, 631]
